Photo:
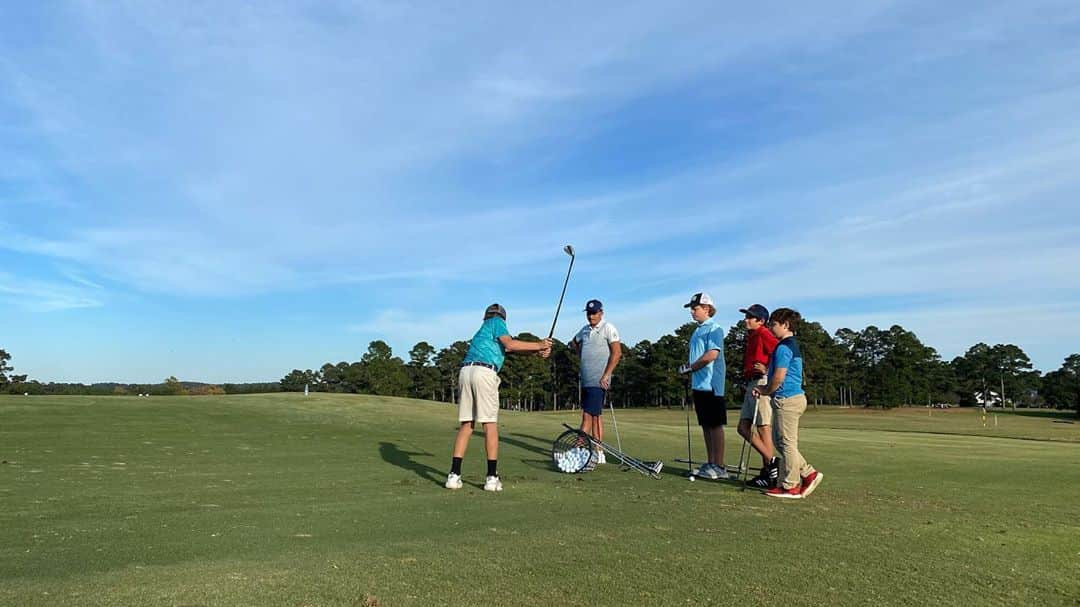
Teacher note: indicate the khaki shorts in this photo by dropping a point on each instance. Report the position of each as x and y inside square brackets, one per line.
[759, 409]
[479, 398]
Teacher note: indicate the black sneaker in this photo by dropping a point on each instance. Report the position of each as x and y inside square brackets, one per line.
[761, 481]
[773, 470]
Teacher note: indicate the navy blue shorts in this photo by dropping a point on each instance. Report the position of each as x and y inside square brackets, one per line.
[592, 400]
[711, 409]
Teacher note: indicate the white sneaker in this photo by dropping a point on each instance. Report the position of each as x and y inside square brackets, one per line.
[453, 481]
[492, 484]
[721, 473]
[600, 459]
[707, 471]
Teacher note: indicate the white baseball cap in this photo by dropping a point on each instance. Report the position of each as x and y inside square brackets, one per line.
[700, 299]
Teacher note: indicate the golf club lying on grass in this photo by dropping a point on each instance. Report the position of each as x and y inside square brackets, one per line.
[572, 452]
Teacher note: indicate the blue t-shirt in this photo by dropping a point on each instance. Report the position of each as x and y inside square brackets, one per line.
[719, 367]
[485, 346]
[699, 345]
[787, 356]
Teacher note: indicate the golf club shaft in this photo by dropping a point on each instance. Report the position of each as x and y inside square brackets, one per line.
[686, 407]
[614, 422]
[744, 452]
[569, 251]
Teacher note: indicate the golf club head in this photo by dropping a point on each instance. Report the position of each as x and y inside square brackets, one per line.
[569, 249]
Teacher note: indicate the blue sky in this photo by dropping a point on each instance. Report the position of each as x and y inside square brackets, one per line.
[227, 191]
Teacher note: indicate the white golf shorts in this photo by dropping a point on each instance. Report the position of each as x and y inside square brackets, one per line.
[479, 398]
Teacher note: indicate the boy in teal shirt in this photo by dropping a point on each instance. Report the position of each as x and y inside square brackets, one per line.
[478, 381]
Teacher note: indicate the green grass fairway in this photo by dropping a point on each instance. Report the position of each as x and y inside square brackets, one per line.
[281, 500]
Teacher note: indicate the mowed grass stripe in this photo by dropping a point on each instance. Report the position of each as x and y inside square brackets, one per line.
[282, 500]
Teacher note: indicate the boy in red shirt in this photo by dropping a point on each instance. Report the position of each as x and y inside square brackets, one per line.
[757, 411]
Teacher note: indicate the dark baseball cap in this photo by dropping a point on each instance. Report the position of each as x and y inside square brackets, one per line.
[495, 310]
[594, 306]
[758, 311]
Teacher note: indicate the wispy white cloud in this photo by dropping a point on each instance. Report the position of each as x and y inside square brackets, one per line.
[46, 296]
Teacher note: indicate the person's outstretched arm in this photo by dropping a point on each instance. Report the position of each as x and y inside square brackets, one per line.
[516, 346]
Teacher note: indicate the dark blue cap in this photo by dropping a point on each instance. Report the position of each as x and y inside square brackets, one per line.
[594, 306]
[758, 311]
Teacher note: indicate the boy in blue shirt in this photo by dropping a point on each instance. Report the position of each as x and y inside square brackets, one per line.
[798, 479]
[701, 365]
[479, 384]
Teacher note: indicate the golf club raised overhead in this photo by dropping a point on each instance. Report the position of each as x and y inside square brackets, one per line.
[569, 250]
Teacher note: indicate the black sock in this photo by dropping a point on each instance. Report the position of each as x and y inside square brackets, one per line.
[455, 466]
[492, 465]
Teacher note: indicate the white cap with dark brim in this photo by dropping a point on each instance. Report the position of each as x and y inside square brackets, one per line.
[700, 299]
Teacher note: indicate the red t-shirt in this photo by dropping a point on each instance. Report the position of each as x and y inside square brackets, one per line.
[760, 345]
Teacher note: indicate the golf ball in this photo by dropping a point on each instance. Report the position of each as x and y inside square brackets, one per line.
[692, 479]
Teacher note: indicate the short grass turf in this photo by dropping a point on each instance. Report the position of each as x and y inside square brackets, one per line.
[269, 500]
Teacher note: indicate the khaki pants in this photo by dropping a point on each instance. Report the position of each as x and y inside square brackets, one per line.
[786, 415]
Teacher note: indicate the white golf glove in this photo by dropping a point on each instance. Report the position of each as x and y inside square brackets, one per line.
[685, 369]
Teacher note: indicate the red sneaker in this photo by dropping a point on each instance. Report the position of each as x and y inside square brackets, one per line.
[810, 482]
[794, 493]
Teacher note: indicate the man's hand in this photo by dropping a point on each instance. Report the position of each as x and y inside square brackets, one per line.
[760, 368]
[685, 369]
[605, 382]
[545, 348]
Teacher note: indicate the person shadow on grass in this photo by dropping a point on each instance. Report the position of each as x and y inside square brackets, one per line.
[392, 454]
[545, 449]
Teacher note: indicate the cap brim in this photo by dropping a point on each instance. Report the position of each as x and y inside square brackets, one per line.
[744, 310]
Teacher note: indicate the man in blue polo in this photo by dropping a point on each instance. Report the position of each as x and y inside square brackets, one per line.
[705, 348]
[598, 345]
[479, 384]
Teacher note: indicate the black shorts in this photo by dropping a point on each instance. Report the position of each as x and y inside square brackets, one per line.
[592, 401]
[711, 409]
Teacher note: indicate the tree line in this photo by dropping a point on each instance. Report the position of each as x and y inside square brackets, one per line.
[869, 368]
[21, 384]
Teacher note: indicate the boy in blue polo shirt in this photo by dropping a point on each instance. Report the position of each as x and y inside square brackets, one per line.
[711, 409]
[479, 384]
[798, 479]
